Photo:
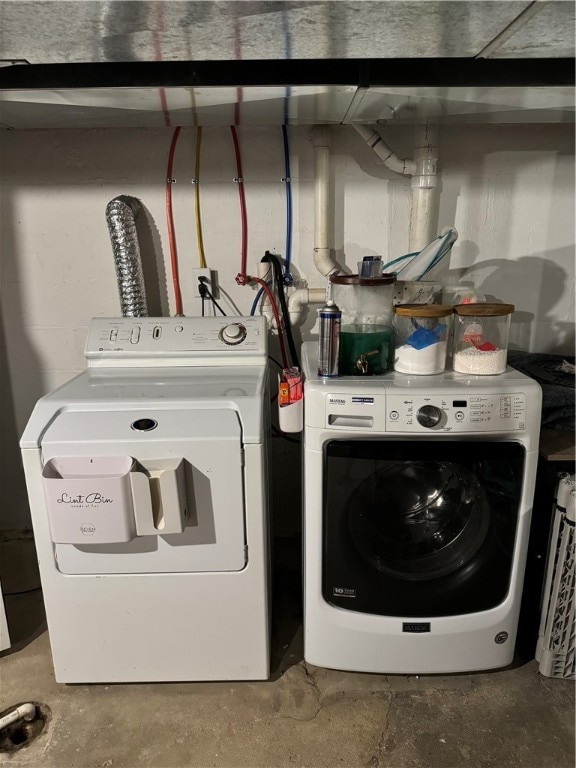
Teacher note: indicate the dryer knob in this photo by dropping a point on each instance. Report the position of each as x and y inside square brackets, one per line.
[233, 333]
[429, 416]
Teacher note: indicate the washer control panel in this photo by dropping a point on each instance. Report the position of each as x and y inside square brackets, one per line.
[454, 413]
[186, 338]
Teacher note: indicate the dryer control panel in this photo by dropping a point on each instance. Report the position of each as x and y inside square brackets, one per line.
[176, 341]
[456, 413]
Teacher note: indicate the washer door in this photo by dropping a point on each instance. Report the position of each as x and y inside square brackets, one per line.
[418, 520]
[420, 528]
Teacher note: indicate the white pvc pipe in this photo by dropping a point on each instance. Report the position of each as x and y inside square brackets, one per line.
[265, 273]
[387, 155]
[320, 140]
[23, 712]
[424, 185]
[421, 219]
[300, 298]
[423, 170]
[323, 261]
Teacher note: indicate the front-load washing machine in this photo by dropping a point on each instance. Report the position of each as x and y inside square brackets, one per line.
[417, 502]
[147, 482]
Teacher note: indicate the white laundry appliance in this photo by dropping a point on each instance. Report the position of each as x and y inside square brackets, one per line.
[147, 482]
[417, 503]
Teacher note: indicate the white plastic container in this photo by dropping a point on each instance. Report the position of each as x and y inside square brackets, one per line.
[421, 333]
[89, 499]
[481, 338]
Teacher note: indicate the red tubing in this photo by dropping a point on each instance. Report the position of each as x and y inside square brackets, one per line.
[170, 224]
[276, 315]
[242, 278]
[242, 197]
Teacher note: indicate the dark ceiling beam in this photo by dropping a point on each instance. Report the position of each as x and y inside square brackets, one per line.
[357, 72]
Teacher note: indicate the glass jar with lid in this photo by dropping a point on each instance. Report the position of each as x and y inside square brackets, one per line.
[366, 306]
[481, 338]
[421, 333]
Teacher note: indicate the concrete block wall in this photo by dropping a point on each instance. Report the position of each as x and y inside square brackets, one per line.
[509, 190]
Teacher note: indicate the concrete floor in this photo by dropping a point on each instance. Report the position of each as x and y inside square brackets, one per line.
[304, 716]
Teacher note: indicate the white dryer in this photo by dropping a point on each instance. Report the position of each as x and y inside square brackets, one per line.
[147, 483]
[417, 502]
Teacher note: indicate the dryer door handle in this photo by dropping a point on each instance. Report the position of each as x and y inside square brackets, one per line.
[160, 498]
[142, 501]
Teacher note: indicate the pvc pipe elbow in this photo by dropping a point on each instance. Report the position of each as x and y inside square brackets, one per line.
[384, 152]
[323, 262]
[23, 712]
[301, 298]
[304, 296]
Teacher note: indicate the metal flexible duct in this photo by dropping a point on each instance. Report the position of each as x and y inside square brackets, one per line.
[121, 214]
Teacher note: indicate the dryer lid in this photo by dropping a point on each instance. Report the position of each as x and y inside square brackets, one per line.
[144, 425]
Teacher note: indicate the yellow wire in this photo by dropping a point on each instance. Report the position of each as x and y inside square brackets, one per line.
[201, 255]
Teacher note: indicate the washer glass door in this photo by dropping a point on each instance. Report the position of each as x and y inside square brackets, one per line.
[420, 528]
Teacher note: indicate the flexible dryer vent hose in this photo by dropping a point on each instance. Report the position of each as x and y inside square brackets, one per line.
[121, 214]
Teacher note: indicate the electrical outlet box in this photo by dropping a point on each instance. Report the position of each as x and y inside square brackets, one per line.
[209, 276]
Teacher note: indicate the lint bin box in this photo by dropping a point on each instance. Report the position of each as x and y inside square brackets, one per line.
[481, 334]
[421, 334]
[89, 499]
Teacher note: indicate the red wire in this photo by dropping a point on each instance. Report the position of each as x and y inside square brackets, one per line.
[243, 278]
[276, 315]
[242, 196]
[170, 224]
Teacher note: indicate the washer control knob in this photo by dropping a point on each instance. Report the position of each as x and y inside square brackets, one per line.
[235, 333]
[429, 416]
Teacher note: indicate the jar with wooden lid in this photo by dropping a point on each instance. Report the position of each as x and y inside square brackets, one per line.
[481, 334]
[366, 329]
[421, 333]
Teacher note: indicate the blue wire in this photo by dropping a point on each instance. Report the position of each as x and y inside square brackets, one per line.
[256, 300]
[287, 275]
[288, 279]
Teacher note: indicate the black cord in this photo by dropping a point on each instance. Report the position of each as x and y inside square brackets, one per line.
[204, 291]
[24, 592]
[283, 436]
[277, 362]
[279, 280]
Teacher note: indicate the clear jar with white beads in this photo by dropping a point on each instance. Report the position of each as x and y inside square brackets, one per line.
[481, 338]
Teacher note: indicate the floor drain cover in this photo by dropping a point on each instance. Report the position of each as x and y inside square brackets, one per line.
[22, 733]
